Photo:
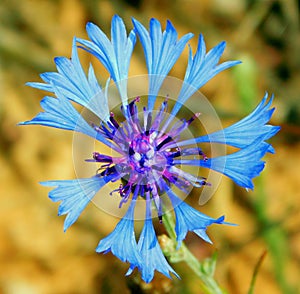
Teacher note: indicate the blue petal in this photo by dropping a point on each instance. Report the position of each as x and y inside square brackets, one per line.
[146, 42]
[200, 69]
[115, 55]
[101, 47]
[150, 251]
[241, 166]
[74, 85]
[190, 219]
[161, 51]
[60, 113]
[75, 195]
[121, 242]
[245, 131]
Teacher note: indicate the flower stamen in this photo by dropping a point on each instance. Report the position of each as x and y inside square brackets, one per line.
[146, 154]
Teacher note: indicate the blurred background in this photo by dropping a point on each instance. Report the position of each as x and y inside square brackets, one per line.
[37, 257]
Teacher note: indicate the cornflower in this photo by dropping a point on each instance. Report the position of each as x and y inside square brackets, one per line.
[149, 152]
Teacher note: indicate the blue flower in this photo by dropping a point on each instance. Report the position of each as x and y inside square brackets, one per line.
[150, 150]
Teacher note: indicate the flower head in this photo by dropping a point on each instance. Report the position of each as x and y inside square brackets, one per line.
[149, 151]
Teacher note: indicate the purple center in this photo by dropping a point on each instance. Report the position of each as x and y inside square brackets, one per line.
[142, 153]
[146, 156]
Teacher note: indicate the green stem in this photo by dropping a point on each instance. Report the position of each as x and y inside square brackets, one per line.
[255, 272]
[201, 269]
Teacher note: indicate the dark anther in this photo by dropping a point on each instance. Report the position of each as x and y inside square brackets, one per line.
[131, 105]
[103, 130]
[193, 118]
[165, 141]
[147, 188]
[131, 151]
[109, 171]
[125, 190]
[201, 153]
[113, 121]
[142, 161]
[175, 154]
[160, 219]
[101, 157]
